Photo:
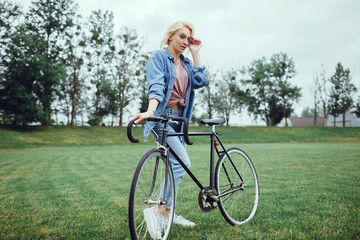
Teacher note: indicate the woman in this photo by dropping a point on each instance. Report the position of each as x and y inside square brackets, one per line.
[171, 80]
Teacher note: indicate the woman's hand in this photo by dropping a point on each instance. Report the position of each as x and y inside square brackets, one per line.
[195, 49]
[143, 116]
[195, 46]
[153, 103]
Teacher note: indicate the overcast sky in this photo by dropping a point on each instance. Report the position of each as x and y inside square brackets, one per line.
[236, 32]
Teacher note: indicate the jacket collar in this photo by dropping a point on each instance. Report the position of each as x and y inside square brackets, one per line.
[171, 57]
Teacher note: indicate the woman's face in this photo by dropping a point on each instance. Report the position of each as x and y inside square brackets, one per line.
[179, 41]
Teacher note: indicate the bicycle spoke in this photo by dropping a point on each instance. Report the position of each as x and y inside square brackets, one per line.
[140, 227]
[145, 193]
[236, 182]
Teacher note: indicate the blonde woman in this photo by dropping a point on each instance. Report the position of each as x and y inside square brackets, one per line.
[171, 79]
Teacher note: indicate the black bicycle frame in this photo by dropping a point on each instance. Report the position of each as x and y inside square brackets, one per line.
[212, 135]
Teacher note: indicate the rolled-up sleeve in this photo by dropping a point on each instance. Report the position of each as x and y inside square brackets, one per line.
[198, 69]
[200, 77]
[155, 78]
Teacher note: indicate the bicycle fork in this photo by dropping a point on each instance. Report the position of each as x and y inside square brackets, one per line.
[149, 200]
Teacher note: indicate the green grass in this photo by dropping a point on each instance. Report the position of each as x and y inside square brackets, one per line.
[36, 137]
[307, 191]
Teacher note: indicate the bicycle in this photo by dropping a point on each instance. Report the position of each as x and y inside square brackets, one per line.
[233, 187]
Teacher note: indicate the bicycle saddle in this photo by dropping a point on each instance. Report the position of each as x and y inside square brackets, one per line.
[216, 121]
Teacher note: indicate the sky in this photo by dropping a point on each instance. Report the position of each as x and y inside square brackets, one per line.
[236, 32]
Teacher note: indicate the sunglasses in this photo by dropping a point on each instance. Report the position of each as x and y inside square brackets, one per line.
[189, 39]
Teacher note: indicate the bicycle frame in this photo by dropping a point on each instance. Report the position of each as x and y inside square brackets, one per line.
[214, 138]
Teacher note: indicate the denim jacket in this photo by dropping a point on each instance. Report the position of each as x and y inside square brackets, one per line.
[161, 74]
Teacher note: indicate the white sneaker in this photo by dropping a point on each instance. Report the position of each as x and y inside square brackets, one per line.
[182, 221]
[154, 222]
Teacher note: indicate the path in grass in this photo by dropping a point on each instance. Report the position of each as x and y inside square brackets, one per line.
[308, 190]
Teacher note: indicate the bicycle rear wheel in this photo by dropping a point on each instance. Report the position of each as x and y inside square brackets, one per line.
[146, 193]
[237, 185]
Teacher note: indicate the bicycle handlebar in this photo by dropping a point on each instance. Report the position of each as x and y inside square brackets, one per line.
[186, 128]
[161, 119]
[129, 134]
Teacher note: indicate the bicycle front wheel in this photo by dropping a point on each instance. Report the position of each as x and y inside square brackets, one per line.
[237, 185]
[146, 195]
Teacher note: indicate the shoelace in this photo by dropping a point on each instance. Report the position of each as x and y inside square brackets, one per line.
[181, 218]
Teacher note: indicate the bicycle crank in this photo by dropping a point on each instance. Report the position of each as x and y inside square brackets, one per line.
[207, 203]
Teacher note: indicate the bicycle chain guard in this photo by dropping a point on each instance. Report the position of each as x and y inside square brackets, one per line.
[207, 203]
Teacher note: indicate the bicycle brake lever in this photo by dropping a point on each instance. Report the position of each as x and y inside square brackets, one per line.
[176, 122]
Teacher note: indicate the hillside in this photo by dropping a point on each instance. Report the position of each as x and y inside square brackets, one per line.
[34, 137]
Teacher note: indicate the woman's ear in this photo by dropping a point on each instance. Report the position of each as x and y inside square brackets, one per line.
[171, 38]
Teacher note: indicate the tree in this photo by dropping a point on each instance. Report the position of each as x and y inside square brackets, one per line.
[141, 73]
[223, 99]
[321, 94]
[9, 16]
[333, 106]
[29, 79]
[283, 69]
[309, 112]
[47, 22]
[18, 93]
[341, 92]
[316, 103]
[9, 89]
[127, 63]
[100, 55]
[268, 93]
[259, 90]
[73, 86]
[206, 95]
[357, 108]
[197, 120]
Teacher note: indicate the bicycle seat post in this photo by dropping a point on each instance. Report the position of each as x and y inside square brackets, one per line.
[212, 164]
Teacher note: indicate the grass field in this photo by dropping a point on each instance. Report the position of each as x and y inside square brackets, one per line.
[307, 191]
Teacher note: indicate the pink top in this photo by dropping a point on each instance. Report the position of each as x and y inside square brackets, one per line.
[180, 86]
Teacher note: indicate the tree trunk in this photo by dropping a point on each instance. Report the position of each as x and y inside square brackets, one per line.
[72, 123]
[73, 98]
[121, 117]
[315, 116]
[284, 112]
[209, 110]
[56, 119]
[343, 119]
[227, 119]
[324, 112]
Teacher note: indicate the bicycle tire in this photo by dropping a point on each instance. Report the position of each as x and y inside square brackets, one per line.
[146, 185]
[241, 205]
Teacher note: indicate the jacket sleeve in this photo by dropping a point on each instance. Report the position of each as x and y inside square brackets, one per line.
[155, 76]
[200, 77]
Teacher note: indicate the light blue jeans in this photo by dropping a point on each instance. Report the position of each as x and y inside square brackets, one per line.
[178, 147]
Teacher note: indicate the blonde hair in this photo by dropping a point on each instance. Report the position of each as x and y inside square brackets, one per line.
[172, 29]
